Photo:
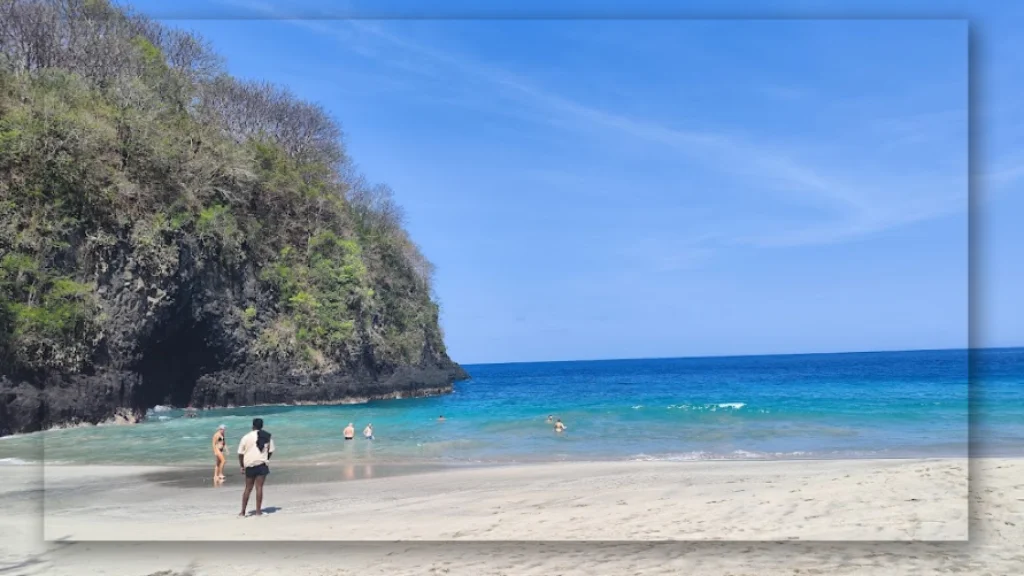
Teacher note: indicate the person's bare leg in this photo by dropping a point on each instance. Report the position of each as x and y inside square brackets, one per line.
[245, 494]
[259, 495]
[219, 471]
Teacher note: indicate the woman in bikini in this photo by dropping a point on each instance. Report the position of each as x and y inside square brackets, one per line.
[218, 453]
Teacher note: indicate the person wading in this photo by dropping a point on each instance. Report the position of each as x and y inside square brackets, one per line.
[254, 452]
[218, 453]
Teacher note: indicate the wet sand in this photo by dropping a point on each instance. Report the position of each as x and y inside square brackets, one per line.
[739, 501]
[201, 477]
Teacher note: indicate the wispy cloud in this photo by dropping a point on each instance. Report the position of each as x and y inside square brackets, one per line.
[1007, 171]
[851, 206]
[921, 129]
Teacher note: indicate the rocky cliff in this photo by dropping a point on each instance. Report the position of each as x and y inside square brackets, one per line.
[171, 235]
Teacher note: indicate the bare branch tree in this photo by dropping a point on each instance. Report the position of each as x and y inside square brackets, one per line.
[250, 110]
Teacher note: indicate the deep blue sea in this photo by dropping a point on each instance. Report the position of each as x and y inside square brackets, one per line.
[856, 405]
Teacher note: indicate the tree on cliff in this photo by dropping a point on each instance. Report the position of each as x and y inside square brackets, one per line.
[149, 200]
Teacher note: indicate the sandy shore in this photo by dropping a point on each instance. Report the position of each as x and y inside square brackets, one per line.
[737, 503]
[817, 500]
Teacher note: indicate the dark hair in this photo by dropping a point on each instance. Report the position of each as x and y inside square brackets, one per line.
[257, 423]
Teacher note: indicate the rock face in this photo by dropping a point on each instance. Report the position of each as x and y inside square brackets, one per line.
[188, 347]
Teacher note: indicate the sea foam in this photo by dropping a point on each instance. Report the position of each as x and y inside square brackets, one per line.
[708, 407]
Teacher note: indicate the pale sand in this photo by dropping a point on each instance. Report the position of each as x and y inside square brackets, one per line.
[824, 500]
[808, 500]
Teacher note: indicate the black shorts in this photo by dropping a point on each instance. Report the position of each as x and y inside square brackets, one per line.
[258, 470]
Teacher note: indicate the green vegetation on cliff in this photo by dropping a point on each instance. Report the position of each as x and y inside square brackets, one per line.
[130, 160]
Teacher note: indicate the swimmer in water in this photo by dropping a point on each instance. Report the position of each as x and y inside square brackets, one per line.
[550, 418]
[368, 432]
[218, 452]
[440, 418]
[350, 431]
[559, 427]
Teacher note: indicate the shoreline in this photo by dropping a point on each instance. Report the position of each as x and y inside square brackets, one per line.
[310, 462]
[334, 455]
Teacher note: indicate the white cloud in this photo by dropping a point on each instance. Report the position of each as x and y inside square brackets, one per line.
[1008, 170]
[851, 207]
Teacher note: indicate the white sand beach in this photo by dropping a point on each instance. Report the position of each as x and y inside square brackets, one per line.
[748, 516]
[809, 500]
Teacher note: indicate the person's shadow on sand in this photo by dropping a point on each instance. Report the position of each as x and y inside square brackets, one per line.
[267, 510]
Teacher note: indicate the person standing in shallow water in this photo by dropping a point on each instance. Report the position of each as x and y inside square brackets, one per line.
[349, 431]
[559, 427]
[219, 443]
[368, 432]
[254, 452]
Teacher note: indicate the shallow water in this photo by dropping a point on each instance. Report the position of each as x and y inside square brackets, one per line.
[890, 404]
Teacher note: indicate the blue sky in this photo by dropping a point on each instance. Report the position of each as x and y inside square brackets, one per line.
[611, 188]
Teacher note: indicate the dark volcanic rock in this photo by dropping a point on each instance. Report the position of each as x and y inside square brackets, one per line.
[62, 400]
[176, 340]
[269, 383]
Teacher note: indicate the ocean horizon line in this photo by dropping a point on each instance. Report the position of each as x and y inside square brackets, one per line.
[737, 356]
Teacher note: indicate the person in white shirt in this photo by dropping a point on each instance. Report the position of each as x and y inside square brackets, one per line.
[368, 432]
[254, 452]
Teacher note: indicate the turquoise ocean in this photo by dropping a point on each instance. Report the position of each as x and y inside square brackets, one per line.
[854, 405]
